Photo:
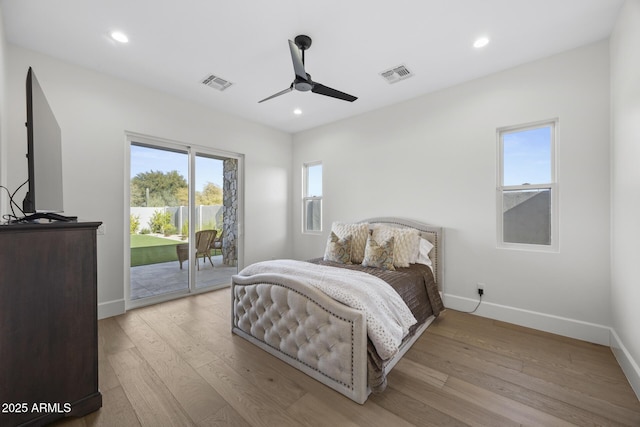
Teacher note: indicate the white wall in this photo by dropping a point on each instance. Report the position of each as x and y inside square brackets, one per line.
[433, 158]
[95, 110]
[625, 189]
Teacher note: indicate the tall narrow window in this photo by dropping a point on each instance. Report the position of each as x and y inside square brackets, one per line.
[312, 198]
[527, 187]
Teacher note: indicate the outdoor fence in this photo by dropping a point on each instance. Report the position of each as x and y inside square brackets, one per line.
[207, 216]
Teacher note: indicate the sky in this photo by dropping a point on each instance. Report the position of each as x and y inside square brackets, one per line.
[144, 159]
[314, 180]
[527, 156]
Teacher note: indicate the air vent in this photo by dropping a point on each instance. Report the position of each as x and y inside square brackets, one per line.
[395, 74]
[216, 82]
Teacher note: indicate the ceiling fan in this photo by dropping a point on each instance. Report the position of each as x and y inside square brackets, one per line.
[303, 81]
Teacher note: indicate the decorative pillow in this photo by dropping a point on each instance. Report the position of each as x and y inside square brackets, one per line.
[358, 232]
[378, 255]
[338, 250]
[423, 256]
[406, 243]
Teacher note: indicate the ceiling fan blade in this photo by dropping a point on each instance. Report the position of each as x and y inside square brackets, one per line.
[282, 92]
[298, 63]
[327, 91]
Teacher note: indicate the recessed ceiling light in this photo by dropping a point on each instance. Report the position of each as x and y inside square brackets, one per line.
[120, 37]
[297, 111]
[481, 42]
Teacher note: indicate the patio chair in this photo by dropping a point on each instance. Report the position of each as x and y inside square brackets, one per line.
[204, 244]
[182, 250]
[217, 244]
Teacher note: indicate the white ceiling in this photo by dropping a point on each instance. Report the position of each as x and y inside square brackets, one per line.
[175, 44]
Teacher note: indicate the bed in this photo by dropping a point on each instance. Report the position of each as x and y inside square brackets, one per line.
[303, 312]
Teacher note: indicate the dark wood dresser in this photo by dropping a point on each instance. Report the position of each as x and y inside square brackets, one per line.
[48, 322]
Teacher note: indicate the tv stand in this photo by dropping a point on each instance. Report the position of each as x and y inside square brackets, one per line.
[51, 216]
[49, 326]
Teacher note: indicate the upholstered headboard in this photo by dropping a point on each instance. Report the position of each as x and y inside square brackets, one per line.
[432, 233]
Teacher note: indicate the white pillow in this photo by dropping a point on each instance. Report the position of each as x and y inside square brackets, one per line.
[406, 243]
[423, 255]
[359, 233]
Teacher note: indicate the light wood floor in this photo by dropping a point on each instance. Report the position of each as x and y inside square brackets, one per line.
[177, 364]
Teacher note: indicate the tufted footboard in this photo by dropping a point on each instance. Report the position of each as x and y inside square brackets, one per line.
[305, 328]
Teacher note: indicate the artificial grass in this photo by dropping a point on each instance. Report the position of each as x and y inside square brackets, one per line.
[146, 249]
[145, 240]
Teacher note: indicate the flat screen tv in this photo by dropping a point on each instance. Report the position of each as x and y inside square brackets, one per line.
[44, 157]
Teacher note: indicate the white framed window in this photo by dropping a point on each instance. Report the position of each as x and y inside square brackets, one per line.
[312, 197]
[527, 190]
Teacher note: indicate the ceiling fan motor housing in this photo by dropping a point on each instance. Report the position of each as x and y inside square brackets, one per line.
[303, 42]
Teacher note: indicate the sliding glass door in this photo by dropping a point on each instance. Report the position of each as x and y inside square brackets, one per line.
[215, 212]
[159, 195]
[183, 215]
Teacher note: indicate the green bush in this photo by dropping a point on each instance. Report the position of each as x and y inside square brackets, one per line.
[145, 231]
[134, 223]
[160, 221]
[169, 230]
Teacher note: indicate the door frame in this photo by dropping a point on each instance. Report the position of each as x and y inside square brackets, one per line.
[192, 150]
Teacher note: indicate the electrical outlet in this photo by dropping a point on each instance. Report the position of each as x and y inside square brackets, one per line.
[480, 289]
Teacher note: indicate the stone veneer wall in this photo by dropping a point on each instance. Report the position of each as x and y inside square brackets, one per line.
[230, 213]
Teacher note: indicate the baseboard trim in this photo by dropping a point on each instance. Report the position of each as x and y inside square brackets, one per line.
[111, 308]
[564, 326]
[626, 362]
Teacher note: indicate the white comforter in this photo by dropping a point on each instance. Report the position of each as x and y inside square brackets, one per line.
[388, 317]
